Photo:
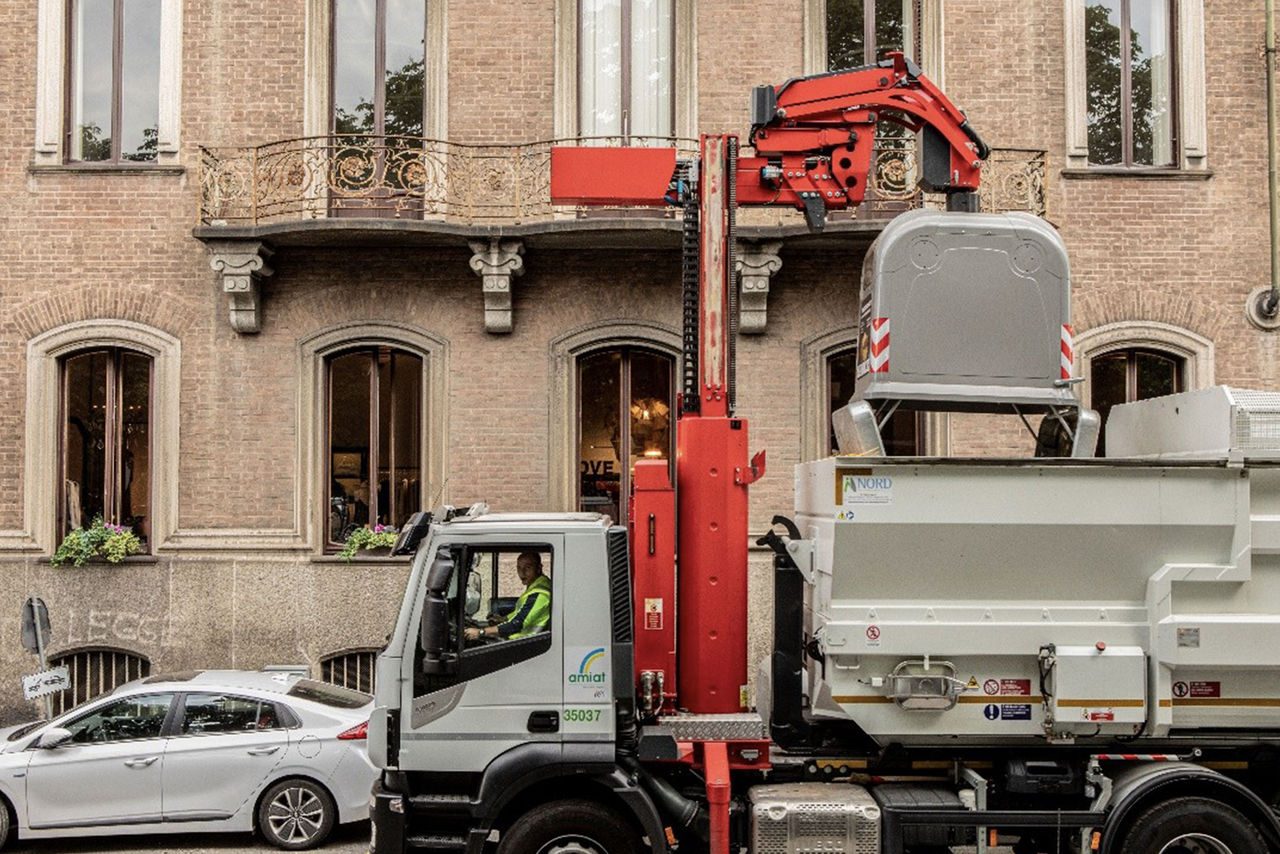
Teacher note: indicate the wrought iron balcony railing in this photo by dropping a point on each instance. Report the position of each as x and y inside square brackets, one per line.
[407, 178]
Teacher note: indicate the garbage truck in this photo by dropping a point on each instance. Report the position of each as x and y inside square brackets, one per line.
[1052, 651]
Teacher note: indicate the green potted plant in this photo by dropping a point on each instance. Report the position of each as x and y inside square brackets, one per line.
[100, 541]
[368, 539]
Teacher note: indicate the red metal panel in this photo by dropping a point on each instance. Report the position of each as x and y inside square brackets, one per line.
[653, 573]
[610, 176]
[712, 647]
[715, 763]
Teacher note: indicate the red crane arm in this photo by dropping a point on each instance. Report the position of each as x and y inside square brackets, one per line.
[814, 137]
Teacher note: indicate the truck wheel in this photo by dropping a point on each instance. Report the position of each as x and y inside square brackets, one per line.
[571, 827]
[1192, 826]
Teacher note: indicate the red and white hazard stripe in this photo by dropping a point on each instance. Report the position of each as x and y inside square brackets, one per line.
[1136, 757]
[880, 345]
[1068, 351]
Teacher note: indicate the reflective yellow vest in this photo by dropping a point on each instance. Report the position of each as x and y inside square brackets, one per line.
[532, 611]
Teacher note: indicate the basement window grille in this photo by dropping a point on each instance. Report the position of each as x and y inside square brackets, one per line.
[94, 672]
[352, 669]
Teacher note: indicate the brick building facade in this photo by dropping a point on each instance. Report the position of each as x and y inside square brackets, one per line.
[242, 249]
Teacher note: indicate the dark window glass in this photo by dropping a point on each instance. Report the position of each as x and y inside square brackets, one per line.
[1129, 71]
[217, 713]
[106, 457]
[375, 444]
[902, 436]
[1125, 376]
[626, 412]
[114, 81]
[379, 66]
[626, 67]
[860, 32]
[124, 720]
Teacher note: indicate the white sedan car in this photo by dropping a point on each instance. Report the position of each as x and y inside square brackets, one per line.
[200, 751]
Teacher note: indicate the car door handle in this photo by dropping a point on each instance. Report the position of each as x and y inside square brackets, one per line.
[544, 722]
[263, 751]
[141, 762]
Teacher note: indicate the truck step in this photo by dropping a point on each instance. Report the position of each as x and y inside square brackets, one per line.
[437, 843]
[440, 804]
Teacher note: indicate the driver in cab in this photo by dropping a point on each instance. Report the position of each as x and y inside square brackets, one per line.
[533, 609]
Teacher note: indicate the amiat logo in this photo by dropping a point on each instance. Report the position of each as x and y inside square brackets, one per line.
[584, 676]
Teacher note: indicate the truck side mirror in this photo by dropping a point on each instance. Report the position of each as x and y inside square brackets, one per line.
[437, 658]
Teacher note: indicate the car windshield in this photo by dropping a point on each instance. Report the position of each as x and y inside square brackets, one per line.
[329, 695]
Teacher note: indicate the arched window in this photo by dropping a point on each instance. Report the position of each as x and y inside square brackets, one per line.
[351, 668]
[1135, 373]
[106, 440]
[374, 439]
[94, 672]
[903, 435]
[626, 412]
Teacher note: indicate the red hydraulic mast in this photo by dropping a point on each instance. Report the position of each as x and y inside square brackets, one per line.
[813, 140]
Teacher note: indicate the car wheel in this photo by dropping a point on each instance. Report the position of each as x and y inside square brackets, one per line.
[1192, 826]
[296, 815]
[571, 827]
[6, 822]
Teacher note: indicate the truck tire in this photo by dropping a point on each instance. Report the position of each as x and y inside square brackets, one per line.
[1192, 826]
[571, 827]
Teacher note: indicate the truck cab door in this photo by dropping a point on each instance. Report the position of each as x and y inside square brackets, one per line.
[504, 688]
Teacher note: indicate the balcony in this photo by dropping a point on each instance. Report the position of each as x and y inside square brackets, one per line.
[318, 190]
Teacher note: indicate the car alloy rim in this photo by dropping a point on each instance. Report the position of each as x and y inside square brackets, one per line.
[1195, 843]
[295, 815]
[573, 844]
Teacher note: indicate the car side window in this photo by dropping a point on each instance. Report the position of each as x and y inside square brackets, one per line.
[206, 714]
[508, 594]
[129, 719]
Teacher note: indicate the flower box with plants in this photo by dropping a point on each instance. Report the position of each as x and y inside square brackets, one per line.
[99, 542]
[377, 538]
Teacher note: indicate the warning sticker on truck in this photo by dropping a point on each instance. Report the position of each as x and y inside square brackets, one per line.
[653, 614]
[1015, 711]
[1197, 690]
[1007, 687]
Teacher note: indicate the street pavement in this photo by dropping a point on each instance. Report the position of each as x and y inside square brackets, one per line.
[347, 839]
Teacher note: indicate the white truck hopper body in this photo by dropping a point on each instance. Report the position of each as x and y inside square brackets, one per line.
[989, 600]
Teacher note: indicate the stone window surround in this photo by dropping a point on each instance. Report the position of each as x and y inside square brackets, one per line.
[1189, 95]
[563, 398]
[565, 99]
[931, 59]
[314, 353]
[316, 74]
[307, 531]
[1195, 350]
[815, 424]
[51, 54]
[40, 439]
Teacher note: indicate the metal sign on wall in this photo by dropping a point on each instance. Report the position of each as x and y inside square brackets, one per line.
[46, 682]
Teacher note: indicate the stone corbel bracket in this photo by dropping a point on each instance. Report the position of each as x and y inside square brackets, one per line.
[242, 266]
[757, 262]
[497, 262]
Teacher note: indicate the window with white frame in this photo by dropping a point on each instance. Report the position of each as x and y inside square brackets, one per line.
[626, 67]
[108, 81]
[842, 34]
[1135, 84]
